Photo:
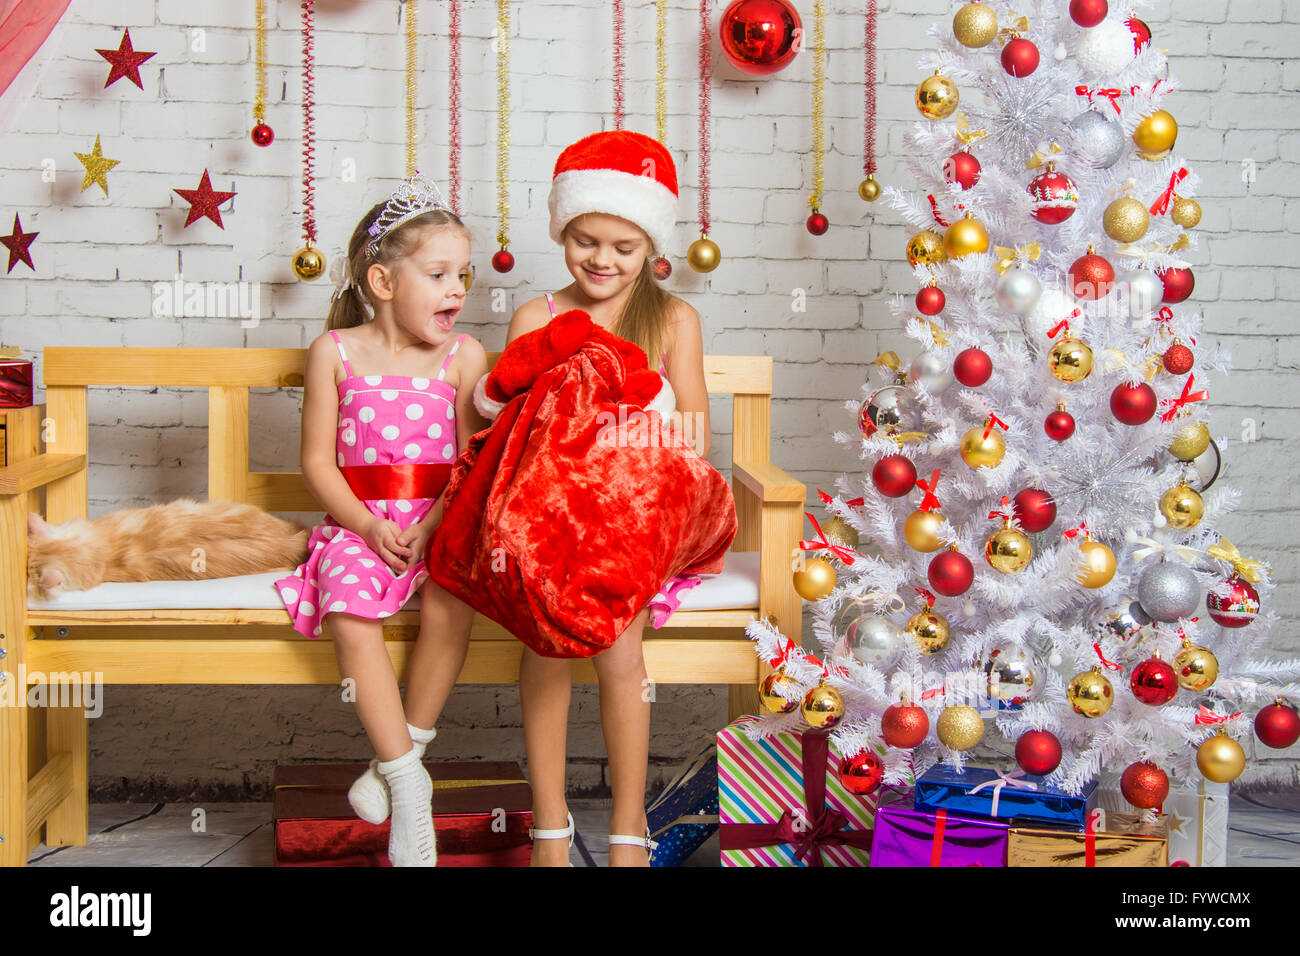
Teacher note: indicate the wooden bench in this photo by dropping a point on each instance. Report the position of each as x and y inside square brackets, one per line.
[43, 749]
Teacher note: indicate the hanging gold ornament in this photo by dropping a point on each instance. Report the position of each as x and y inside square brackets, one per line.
[308, 263]
[869, 189]
[1197, 667]
[960, 727]
[838, 531]
[769, 692]
[975, 25]
[921, 531]
[1126, 220]
[937, 97]
[925, 248]
[1220, 758]
[1186, 212]
[1190, 442]
[1155, 135]
[983, 447]
[823, 706]
[1098, 564]
[1070, 360]
[816, 580]
[965, 236]
[1182, 507]
[930, 630]
[704, 255]
[1090, 693]
[1008, 550]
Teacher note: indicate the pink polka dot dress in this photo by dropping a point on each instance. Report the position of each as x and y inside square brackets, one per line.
[383, 420]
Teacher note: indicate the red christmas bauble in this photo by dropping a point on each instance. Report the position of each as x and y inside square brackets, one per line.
[1144, 785]
[1020, 57]
[503, 261]
[1141, 33]
[1133, 404]
[263, 135]
[951, 573]
[661, 267]
[1059, 425]
[861, 774]
[930, 300]
[1053, 197]
[904, 725]
[972, 367]
[1178, 359]
[818, 224]
[1088, 13]
[1038, 752]
[1233, 602]
[1034, 509]
[894, 476]
[1178, 284]
[760, 37]
[1154, 682]
[1091, 277]
[1276, 726]
[962, 168]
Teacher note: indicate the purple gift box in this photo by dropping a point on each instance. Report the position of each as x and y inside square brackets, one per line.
[907, 837]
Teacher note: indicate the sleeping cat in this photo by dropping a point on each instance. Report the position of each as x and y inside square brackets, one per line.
[181, 540]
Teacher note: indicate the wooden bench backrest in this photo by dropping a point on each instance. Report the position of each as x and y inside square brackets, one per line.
[228, 374]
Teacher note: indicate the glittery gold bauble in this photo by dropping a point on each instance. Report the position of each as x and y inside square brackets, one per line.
[921, 531]
[1220, 759]
[1070, 360]
[838, 531]
[930, 629]
[964, 237]
[1090, 693]
[1126, 220]
[703, 255]
[1098, 564]
[1190, 442]
[1197, 667]
[975, 25]
[869, 189]
[1182, 507]
[937, 97]
[960, 727]
[1155, 135]
[822, 707]
[769, 692]
[816, 580]
[308, 263]
[982, 451]
[925, 248]
[1186, 212]
[1008, 550]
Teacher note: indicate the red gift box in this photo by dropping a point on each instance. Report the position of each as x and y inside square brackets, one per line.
[482, 812]
[15, 380]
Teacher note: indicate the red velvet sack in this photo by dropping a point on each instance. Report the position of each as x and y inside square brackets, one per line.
[565, 517]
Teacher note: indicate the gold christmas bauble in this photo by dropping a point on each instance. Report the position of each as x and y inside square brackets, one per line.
[930, 629]
[823, 707]
[769, 692]
[1190, 442]
[1090, 693]
[1196, 667]
[1220, 759]
[1182, 507]
[1186, 212]
[816, 580]
[925, 248]
[703, 255]
[921, 531]
[1126, 220]
[1155, 135]
[1008, 550]
[982, 451]
[975, 25]
[964, 237]
[1097, 565]
[1070, 360]
[937, 97]
[308, 263]
[838, 531]
[960, 727]
[869, 189]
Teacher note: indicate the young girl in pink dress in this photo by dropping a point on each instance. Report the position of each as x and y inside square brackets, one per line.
[388, 402]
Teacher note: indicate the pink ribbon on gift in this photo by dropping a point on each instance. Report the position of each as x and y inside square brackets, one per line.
[1004, 778]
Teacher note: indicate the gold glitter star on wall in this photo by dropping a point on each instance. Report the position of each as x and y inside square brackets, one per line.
[97, 167]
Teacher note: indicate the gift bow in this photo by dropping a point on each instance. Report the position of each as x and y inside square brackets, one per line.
[1161, 205]
[1010, 779]
[1017, 27]
[1245, 567]
[937, 333]
[1038, 159]
[964, 133]
[1075, 532]
[1188, 396]
[929, 502]
[1151, 546]
[1116, 360]
[994, 420]
[783, 653]
[1111, 94]
[887, 360]
[1007, 257]
[1005, 515]
[844, 554]
[926, 595]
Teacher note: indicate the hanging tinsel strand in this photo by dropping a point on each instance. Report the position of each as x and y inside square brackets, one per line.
[869, 90]
[308, 122]
[503, 122]
[412, 64]
[619, 69]
[453, 110]
[259, 98]
[705, 61]
[819, 105]
[661, 71]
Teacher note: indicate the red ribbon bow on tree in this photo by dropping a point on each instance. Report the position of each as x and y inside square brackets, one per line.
[1161, 205]
[927, 595]
[1064, 324]
[1096, 646]
[851, 502]
[783, 653]
[1112, 94]
[1075, 532]
[1186, 398]
[1008, 516]
[929, 502]
[844, 554]
[1206, 716]
[994, 420]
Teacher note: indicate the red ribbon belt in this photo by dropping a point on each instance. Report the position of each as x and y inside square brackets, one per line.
[383, 482]
[936, 848]
[823, 825]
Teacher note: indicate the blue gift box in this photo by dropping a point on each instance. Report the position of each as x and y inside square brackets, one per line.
[1004, 796]
[685, 814]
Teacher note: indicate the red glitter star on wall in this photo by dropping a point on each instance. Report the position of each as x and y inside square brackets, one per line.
[125, 61]
[204, 201]
[17, 243]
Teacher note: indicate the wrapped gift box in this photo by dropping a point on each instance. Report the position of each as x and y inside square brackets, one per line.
[781, 803]
[685, 814]
[15, 379]
[980, 792]
[913, 837]
[1198, 820]
[1111, 839]
[482, 814]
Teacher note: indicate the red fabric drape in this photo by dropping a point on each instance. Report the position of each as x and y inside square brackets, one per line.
[24, 26]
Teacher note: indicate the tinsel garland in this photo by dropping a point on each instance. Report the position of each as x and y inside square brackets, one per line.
[819, 105]
[503, 122]
[412, 62]
[869, 90]
[705, 63]
[453, 110]
[619, 68]
[308, 122]
[259, 96]
[661, 71]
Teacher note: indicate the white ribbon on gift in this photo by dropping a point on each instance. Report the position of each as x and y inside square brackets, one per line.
[1152, 546]
[1004, 779]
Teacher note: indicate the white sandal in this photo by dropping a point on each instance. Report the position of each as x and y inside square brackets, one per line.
[645, 841]
[559, 834]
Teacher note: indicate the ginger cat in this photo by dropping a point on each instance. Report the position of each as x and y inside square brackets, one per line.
[181, 540]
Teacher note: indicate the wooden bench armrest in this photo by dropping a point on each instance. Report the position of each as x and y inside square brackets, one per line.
[38, 471]
[768, 482]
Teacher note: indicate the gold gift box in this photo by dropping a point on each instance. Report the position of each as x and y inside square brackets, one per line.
[1122, 839]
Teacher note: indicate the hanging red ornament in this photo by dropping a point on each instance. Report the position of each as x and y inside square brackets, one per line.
[1053, 196]
[1154, 682]
[1020, 57]
[1178, 284]
[125, 61]
[263, 135]
[1059, 425]
[818, 224]
[904, 725]
[1144, 785]
[1035, 509]
[661, 268]
[951, 573]
[503, 261]
[962, 168]
[894, 476]
[1038, 752]
[1178, 359]
[972, 367]
[1141, 33]
[1091, 277]
[1133, 404]
[930, 300]
[1233, 602]
[18, 243]
[1088, 13]
[204, 201]
[1276, 726]
[861, 774]
[760, 37]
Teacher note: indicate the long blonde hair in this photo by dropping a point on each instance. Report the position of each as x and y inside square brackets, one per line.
[644, 319]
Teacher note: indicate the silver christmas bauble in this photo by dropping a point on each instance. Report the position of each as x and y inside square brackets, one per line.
[1098, 138]
[1105, 49]
[1011, 675]
[1143, 291]
[1168, 591]
[891, 410]
[1122, 620]
[1018, 291]
[866, 635]
[934, 372]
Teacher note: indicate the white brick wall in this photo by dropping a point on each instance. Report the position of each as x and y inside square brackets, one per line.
[98, 258]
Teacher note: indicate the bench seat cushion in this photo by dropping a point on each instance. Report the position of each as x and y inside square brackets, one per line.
[735, 587]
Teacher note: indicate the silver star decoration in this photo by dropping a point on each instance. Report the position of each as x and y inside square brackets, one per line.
[1104, 487]
[1016, 121]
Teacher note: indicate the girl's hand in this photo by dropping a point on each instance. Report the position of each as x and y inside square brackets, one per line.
[383, 538]
[416, 538]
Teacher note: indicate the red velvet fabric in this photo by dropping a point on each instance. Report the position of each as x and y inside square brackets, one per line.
[565, 517]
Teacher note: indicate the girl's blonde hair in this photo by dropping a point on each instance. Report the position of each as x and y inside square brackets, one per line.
[349, 308]
[644, 319]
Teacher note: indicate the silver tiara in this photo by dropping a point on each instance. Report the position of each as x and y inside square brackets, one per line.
[411, 198]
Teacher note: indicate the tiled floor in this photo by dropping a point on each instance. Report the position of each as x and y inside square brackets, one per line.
[1264, 831]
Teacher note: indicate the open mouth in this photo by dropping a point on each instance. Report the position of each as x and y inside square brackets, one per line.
[445, 319]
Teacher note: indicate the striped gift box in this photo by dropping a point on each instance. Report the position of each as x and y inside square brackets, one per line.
[759, 781]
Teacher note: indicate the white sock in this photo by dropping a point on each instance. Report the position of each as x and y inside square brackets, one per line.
[368, 795]
[411, 840]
